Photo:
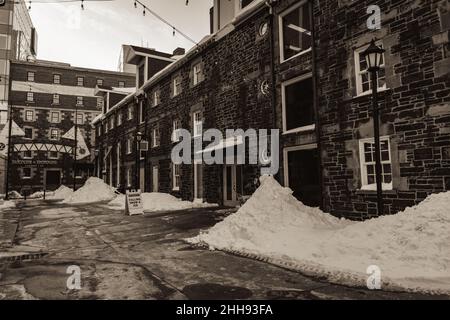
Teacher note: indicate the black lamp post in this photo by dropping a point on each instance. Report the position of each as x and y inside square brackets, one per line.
[374, 59]
[138, 156]
[97, 164]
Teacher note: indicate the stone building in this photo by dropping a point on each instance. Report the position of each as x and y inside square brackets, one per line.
[297, 66]
[50, 101]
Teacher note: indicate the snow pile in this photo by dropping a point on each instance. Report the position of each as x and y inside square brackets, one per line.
[62, 193]
[14, 195]
[412, 248]
[157, 202]
[95, 190]
[6, 204]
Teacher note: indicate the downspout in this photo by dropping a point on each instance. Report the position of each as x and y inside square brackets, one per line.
[316, 102]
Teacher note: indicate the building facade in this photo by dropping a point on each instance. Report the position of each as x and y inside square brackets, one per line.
[53, 103]
[297, 66]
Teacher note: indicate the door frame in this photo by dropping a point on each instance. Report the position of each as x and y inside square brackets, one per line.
[235, 201]
[52, 170]
[155, 177]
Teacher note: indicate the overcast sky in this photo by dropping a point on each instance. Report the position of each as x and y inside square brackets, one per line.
[92, 37]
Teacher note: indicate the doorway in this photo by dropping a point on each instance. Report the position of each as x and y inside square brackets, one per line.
[52, 180]
[198, 182]
[155, 181]
[232, 185]
[302, 174]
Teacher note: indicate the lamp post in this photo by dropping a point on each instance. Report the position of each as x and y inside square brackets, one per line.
[374, 59]
[138, 156]
[97, 164]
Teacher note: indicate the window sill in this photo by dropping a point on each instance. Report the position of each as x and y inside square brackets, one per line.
[368, 93]
[301, 129]
[297, 55]
[374, 192]
[176, 189]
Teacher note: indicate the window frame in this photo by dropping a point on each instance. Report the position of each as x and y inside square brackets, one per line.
[26, 157]
[121, 84]
[177, 81]
[80, 101]
[53, 158]
[31, 75]
[176, 178]
[197, 74]
[30, 96]
[130, 113]
[156, 98]
[281, 33]
[56, 99]
[100, 82]
[364, 164]
[25, 131]
[358, 73]
[195, 125]
[119, 119]
[51, 117]
[56, 76]
[175, 130]
[79, 114]
[26, 114]
[23, 173]
[156, 137]
[80, 83]
[129, 146]
[51, 130]
[284, 85]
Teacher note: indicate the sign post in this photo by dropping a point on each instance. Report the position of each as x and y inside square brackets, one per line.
[134, 205]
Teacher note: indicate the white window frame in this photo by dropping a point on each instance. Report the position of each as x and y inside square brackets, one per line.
[197, 73]
[30, 96]
[156, 137]
[33, 115]
[156, 97]
[51, 134]
[176, 128]
[281, 35]
[31, 75]
[130, 113]
[283, 102]
[129, 145]
[359, 72]
[177, 81]
[121, 84]
[56, 76]
[119, 119]
[197, 125]
[51, 116]
[363, 163]
[111, 123]
[286, 159]
[141, 112]
[26, 177]
[56, 99]
[80, 81]
[80, 101]
[100, 102]
[238, 6]
[78, 114]
[99, 82]
[26, 157]
[129, 177]
[53, 158]
[176, 178]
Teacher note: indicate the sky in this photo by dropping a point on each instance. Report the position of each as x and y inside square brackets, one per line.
[93, 37]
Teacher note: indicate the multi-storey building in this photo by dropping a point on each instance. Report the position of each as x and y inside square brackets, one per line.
[297, 65]
[50, 102]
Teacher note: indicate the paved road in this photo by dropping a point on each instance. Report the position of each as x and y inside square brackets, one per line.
[141, 257]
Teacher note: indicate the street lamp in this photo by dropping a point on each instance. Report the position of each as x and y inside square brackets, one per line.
[374, 59]
[138, 156]
[97, 164]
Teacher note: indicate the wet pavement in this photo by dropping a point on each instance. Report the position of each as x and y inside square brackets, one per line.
[140, 257]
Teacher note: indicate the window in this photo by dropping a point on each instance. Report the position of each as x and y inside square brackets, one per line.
[56, 98]
[119, 119]
[30, 76]
[3, 41]
[57, 79]
[198, 124]
[54, 134]
[295, 31]
[367, 158]
[363, 81]
[80, 118]
[100, 82]
[156, 97]
[29, 115]
[99, 129]
[197, 73]
[156, 138]
[28, 154]
[121, 84]
[79, 101]
[100, 102]
[129, 146]
[176, 86]
[26, 173]
[298, 104]
[28, 133]
[53, 155]
[176, 130]
[241, 4]
[30, 96]
[80, 81]
[54, 117]
[130, 112]
[111, 122]
[129, 182]
[176, 177]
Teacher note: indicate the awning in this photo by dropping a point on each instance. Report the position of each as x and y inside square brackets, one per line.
[224, 144]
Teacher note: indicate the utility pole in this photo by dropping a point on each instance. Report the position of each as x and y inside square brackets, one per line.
[10, 119]
[75, 149]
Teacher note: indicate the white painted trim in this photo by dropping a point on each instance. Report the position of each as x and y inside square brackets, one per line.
[286, 162]
[283, 103]
[51, 88]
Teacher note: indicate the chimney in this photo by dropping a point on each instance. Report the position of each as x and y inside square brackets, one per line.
[179, 51]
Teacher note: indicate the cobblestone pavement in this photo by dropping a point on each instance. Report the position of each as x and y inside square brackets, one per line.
[140, 257]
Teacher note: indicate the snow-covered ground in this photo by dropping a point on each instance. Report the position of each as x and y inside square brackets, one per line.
[412, 248]
[154, 202]
[7, 204]
[94, 190]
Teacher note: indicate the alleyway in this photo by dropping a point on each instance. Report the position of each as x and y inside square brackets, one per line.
[138, 257]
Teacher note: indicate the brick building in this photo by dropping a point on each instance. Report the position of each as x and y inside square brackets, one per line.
[298, 67]
[47, 98]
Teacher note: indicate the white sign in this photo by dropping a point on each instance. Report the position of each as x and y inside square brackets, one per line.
[134, 204]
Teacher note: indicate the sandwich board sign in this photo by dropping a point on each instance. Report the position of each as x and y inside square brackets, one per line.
[134, 205]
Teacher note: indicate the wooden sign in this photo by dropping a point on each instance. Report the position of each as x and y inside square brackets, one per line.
[134, 205]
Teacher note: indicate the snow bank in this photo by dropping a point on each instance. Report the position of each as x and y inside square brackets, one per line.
[62, 193]
[95, 190]
[6, 204]
[156, 202]
[412, 248]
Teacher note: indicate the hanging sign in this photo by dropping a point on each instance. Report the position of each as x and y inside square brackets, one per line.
[134, 205]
